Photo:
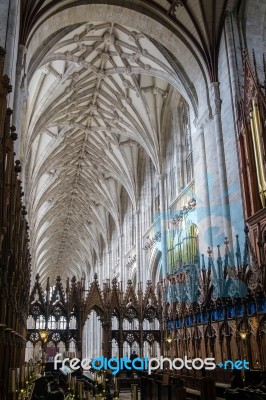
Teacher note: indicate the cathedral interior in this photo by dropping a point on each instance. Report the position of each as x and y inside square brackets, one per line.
[133, 199]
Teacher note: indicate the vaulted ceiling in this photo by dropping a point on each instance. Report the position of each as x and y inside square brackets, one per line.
[199, 22]
[96, 95]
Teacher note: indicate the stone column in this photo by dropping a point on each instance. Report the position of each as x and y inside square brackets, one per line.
[179, 153]
[216, 110]
[95, 335]
[121, 257]
[234, 69]
[84, 342]
[141, 338]
[109, 269]
[100, 273]
[89, 327]
[205, 193]
[138, 245]
[233, 58]
[163, 225]
[120, 344]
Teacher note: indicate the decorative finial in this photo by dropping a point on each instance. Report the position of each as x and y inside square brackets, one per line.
[13, 134]
[17, 166]
[203, 262]
[24, 212]
[218, 250]
[226, 241]
[238, 251]
[114, 281]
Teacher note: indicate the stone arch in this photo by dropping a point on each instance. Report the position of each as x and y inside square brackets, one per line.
[154, 265]
[188, 74]
[189, 64]
[94, 301]
[97, 309]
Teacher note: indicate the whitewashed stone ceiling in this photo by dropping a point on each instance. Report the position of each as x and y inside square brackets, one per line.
[96, 94]
[199, 22]
[96, 97]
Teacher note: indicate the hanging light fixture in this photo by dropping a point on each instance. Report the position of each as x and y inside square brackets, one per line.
[169, 338]
[243, 334]
[44, 335]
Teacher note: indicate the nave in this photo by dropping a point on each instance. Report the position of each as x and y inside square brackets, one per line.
[132, 199]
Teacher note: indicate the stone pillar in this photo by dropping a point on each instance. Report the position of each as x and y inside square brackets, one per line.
[141, 338]
[163, 225]
[232, 58]
[100, 273]
[121, 258]
[138, 245]
[97, 337]
[84, 342]
[120, 344]
[234, 69]
[92, 330]
[89, 329]
[216, 110]
[109, 269]
[205, 186]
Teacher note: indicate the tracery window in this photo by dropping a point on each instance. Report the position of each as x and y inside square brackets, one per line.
[52, 288]
[133, 228]
[187, 148]
[157, 199]
[40, 322]
[62, 323]
[73, 322]
[51, 322]
[172, 183]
